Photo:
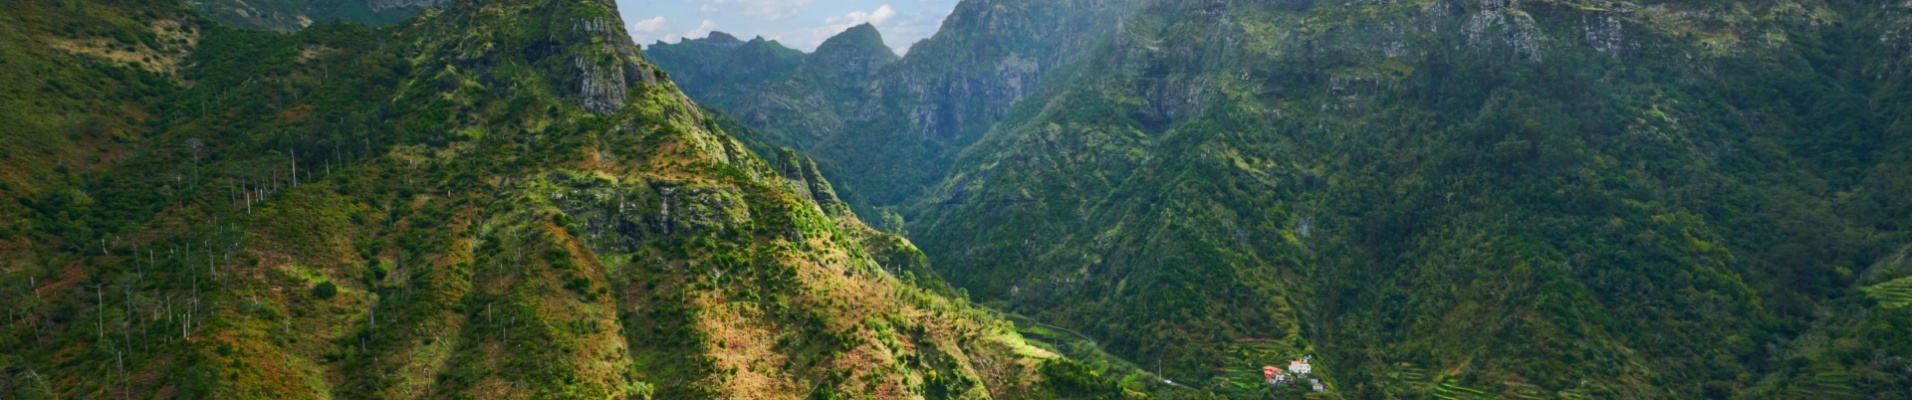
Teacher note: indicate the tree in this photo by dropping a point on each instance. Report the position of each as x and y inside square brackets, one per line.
[325, 290]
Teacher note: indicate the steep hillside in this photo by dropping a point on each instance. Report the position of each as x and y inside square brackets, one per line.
[889, 134]
[1537, 198]
[1858, 350]
[759, 81]
[499, 199]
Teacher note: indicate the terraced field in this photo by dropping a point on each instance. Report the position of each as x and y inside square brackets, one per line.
[1413, 382]
[1894, 294]
[1826, 385]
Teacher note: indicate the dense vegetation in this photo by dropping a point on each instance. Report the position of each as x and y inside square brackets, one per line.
[292, 15]
[497, 199]
[1682, 199]
[887, 128]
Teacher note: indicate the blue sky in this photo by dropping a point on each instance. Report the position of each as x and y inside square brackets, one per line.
[800, 24]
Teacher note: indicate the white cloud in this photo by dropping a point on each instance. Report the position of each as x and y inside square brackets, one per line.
[658, 28]
[650, 25]
[902, 32]
[768, 10]
[800, 24]
[652, 30]
[702, 30]
[899, 30]
[881, 14]
[835, 25]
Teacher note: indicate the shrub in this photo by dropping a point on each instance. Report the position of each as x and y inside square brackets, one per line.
[325, 290]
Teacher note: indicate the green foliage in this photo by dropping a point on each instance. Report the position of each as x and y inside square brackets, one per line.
[1227, 185]
[1072, 380]
[170, 239]
[1896, 294]
[293, 15]
[325, 290]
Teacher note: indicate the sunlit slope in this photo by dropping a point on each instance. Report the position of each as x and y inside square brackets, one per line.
[501, 199]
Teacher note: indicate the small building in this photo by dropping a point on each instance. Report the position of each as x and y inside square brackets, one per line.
[1299, 367]
[1318, 386]
[1275, 376]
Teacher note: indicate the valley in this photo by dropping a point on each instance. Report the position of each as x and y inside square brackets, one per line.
[1043, 199]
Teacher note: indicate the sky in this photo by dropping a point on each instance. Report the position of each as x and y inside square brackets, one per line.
[798, 24]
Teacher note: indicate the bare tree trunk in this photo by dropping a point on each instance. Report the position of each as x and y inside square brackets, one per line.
[126, 329]
[122, 369]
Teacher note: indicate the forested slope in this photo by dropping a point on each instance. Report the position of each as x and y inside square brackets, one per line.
[499, 199]
[1529, 198]
[1659, 199]
[292, 15]
[887, 129]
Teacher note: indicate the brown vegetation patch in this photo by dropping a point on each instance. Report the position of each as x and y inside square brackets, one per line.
[294, 114]
[742, 346]
[175, 45]
[69, 277]
[312, 52]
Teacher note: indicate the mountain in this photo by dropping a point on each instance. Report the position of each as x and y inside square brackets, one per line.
[495, 199]
[885, 127]
[721, 69]
[1663, 199]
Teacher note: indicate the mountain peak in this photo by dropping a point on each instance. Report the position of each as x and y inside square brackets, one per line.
[863, 37]
[718, 37]
[579, 47]
[851, 56]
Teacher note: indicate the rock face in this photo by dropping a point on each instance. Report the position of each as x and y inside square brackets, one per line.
[802, 172]
[579, 46]
[624, 214]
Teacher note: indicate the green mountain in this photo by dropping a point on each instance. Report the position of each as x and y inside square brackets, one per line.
[496, 199]
[889, 128]
[1456, 199]
[759, 72]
